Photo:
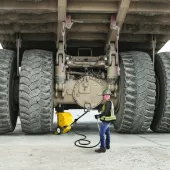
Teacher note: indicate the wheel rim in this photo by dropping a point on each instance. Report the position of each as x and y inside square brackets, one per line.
[58, 130]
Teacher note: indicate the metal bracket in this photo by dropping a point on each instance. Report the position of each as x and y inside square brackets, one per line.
[60, 54]
[61, 58]
[62, 45]
[116, 28]
[65, 25]
[111, 52]
[87, 107]
[63, 32]
[69, 22]
[18, 46]
[113, 26]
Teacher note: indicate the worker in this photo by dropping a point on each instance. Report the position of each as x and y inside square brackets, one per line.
[107, 116]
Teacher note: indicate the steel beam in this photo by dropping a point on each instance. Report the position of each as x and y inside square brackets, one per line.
[102, 6]
[145, 29]
[96, 28]
[155, 1]
[72, 42]
[29, 37]
[19, 6]
[139, 46]
[127, 28]
[142, 38]
[121, 14]
[86, 36]
[149, 20]
[148, 8]
[85, 28]
[28, 28]
[89, 18]
[81, 43]
[62, 5]
[11, 18]
[136, 7]
[91, 7]
[134, 38]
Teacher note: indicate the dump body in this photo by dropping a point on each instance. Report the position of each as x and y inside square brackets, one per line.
[38, 22]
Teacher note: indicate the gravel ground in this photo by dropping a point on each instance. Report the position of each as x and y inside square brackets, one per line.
[51, 152]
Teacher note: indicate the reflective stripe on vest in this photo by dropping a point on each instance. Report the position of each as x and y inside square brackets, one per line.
[111, 117]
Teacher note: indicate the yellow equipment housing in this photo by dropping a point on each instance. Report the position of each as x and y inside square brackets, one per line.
[64, 121]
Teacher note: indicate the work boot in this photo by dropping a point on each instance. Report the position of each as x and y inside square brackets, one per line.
[101, 150]
[107, 147]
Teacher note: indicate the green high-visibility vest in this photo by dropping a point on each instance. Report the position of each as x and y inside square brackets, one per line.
[112, 115]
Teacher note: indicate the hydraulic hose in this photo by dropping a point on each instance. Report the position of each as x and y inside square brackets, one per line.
[83, 142]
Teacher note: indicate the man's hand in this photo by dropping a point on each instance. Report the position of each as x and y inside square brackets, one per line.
[97, 116]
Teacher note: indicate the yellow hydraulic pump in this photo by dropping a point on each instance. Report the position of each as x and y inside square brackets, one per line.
[64, 121]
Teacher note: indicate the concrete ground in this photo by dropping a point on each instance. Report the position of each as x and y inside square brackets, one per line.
[52, 152]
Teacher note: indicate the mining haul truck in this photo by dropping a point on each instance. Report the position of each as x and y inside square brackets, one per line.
[69, 51]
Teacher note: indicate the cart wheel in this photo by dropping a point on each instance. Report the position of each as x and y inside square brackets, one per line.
[58, 130]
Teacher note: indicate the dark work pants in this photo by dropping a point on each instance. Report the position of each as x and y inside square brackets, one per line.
[105, 130]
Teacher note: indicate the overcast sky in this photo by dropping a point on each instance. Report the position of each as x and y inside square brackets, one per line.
[165, 48]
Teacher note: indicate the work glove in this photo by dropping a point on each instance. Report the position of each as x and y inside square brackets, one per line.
[97, 116]
[99, 109]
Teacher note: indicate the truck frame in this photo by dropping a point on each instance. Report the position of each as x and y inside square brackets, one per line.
[69, 51]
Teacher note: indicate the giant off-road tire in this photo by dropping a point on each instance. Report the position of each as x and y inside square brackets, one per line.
[161, 120]
[36, 92]
[8, 91]
[137, 93]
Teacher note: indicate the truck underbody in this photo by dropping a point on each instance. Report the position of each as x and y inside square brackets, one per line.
[70, 51]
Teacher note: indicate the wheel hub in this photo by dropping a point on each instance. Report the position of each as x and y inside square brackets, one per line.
[88, 92]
